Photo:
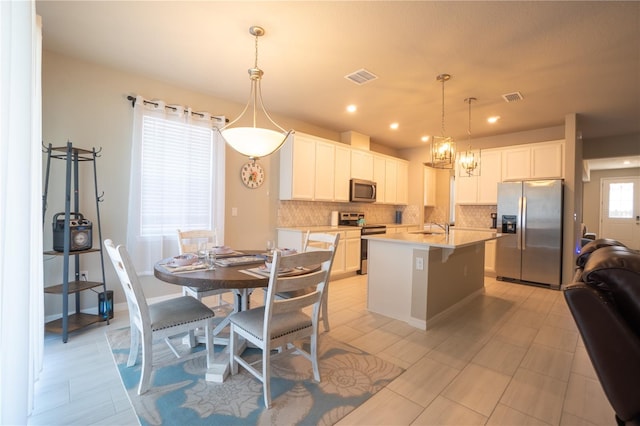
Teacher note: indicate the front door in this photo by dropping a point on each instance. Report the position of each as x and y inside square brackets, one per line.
[620, 210]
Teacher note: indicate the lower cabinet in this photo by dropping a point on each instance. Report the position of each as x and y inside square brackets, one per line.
[490, 257]
[347, 257]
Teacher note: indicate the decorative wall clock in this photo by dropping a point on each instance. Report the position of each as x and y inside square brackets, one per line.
[252, 174]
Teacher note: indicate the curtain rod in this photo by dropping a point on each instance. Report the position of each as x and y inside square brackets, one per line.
[133, 104]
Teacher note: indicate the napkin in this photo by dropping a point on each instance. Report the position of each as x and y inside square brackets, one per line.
[193, 267]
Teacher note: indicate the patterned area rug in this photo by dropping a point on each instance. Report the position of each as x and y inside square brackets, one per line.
[181, 396]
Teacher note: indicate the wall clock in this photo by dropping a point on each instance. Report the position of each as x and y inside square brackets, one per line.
[252, 174]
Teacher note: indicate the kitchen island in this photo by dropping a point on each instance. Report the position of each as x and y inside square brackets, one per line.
[419, 277]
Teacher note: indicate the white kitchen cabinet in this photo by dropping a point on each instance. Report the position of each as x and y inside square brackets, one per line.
[297, 168]
[352, 251]
[490, 257]
[380, 176]
[342, 173]
[361, 164]
[481, 189]
[490, 176]
[390, 181]
[544, 160]
[402, 183]
[325, 171]
[547, 160]
[429, 186]
[347, 257]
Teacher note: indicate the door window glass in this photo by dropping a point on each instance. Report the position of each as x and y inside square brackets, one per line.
[621, 200]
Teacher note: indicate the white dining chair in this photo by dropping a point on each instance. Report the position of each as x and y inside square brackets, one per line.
[280, 323]
[322, 241]
[188, 243]
[150, 322]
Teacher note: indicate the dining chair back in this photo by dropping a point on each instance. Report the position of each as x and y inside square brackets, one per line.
[150, 322]
[281, 323]
[188, 243]
[323, 241]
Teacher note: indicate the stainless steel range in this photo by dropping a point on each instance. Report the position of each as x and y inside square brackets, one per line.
[358, 219]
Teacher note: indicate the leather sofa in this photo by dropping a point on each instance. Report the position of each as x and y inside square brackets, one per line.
[604, 300]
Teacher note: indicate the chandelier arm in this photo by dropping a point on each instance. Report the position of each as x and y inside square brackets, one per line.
[246, 107]
[264, 110]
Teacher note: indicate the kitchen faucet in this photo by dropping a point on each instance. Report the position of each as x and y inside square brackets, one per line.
[444, 227]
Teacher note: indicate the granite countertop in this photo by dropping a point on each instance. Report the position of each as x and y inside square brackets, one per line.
[455, 239]
[328, 228]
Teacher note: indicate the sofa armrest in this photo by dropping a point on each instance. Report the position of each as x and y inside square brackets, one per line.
[614, 349]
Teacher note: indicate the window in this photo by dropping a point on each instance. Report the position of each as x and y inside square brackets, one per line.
[621, 200]
[177, 179]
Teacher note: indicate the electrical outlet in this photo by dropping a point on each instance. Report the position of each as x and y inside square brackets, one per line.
[84, 275]
[419, 263]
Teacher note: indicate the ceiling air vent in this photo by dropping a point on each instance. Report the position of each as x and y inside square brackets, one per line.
[361, 76]
[512, 97]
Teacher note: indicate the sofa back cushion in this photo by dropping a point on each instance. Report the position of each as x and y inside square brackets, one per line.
[592, 246]
[615, 272]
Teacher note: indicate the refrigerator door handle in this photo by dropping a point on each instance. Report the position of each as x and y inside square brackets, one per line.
[519, 225]
[523, 227]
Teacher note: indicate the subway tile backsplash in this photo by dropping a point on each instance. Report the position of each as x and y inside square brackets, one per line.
[308, 213]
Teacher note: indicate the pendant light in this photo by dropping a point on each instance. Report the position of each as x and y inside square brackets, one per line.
[254, 141]
[443, 148]
[469, 164]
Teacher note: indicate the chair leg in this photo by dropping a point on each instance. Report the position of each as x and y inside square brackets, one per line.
[208, 330]
[133, 346]
[314, 355]
[147, 363]
[233, 364]
[266, 375]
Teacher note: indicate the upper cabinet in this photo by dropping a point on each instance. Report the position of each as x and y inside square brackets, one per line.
[482, 189]
[298, 168]
[543, 160]
[317, 169]
[361, 164]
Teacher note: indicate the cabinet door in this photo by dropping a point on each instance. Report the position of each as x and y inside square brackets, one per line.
[297, 168]
[361, 164]
[339, 259]
[516, 163]
[390, 180]
[547, 160]
[379, 176]
[352, 257]
[466, 189]
[490, 176]
[429, 186]
[490, 256]
[324, 171]
[402, 183]
[342, 173]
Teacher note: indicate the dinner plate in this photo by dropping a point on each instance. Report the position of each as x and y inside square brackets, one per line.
[267, 267]
[183, 260]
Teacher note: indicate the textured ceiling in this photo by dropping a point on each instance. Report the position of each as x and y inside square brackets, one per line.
[564, 57]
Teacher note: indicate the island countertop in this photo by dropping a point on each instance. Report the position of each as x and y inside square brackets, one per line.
[455, 238]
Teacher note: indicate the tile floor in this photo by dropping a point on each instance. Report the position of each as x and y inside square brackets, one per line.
[510, 357]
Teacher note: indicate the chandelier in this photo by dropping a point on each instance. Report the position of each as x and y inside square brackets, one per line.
[254, 141]
[468, 162]
[443, 148]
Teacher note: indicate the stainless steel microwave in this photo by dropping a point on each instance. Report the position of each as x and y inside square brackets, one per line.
[362, 191]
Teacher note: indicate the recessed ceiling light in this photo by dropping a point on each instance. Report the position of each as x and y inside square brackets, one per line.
[493, 119]
[394, 126]
[425, 139]
[351, 108]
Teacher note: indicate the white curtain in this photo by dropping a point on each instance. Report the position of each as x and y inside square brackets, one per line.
[21, 284]
[146, 250]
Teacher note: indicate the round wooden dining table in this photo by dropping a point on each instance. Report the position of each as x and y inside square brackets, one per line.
[220, 278]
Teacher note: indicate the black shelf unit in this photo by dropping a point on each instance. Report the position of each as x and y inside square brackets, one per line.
[73, 157]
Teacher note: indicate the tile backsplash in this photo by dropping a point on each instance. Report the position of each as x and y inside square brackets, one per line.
[308, 213]
[474, 216]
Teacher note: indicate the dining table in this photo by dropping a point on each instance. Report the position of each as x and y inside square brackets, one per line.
[240, 279]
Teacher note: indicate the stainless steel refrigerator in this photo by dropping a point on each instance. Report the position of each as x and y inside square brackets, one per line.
[530, 219]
